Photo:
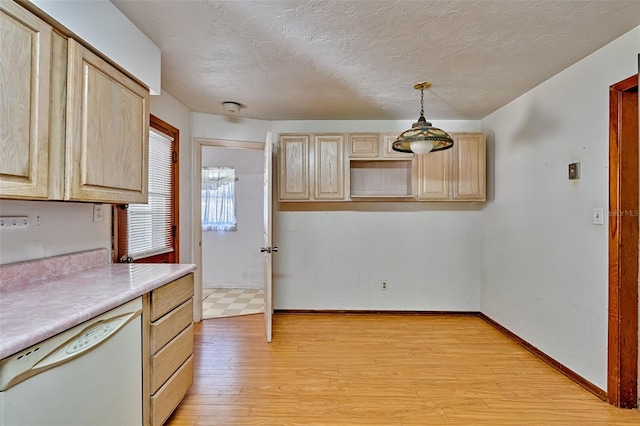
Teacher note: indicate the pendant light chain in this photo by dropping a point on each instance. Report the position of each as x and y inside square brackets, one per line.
[422, 137]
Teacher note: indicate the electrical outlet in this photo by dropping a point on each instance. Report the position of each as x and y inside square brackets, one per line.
[384, 285]
[98, 212]
[8, 222]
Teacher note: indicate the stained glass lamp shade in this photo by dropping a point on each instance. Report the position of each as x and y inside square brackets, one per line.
[422, 138]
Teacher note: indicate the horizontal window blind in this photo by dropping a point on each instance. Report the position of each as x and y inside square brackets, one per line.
[150, 225]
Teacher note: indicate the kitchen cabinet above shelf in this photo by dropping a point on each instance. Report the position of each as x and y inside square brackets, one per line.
[320, 167]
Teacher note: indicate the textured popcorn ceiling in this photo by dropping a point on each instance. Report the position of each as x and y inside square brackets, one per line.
[334, 60]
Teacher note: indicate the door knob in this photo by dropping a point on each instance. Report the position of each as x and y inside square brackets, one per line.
[265, 249]
[275, 249]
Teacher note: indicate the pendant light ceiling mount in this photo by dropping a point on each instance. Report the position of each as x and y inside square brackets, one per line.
[422, 138]
[421, 86]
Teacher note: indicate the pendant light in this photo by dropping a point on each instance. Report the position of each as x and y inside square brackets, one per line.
[422, 138]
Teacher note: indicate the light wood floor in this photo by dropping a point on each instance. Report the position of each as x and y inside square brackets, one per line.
[326, 369]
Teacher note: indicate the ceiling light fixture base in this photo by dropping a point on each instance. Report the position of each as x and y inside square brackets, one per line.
[232, 107]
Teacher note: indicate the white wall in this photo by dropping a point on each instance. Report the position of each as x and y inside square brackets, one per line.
[229, 128]
[168, 109]
[63, 228]
[544, 264]
[429, 253]
[100, 24]
[233, 259]
[338, 259]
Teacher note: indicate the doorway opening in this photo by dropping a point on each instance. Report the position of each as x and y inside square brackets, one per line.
[230, 227]
[624, 205]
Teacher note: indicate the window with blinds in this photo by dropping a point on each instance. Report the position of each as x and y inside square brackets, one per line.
[149, 226]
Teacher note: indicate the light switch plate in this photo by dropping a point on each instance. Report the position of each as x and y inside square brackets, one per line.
[598, 216]
[98, 212]
[574, 171]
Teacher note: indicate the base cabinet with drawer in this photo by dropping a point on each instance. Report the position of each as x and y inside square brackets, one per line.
[169, 315]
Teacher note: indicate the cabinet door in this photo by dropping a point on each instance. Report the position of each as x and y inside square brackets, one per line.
[293, 168]
[25, 59]
[107, 132]
[387, 139]
[434, 175]
[329, 167]
[364, 145]
[469, 167]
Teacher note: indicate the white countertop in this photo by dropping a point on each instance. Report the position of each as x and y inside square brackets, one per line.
[35, 311]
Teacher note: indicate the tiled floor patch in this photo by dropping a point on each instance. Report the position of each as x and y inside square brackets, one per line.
[228, 302]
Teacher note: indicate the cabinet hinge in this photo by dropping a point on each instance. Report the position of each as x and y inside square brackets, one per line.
[175, 157]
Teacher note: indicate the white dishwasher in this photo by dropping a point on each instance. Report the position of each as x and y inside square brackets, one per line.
[90, 375]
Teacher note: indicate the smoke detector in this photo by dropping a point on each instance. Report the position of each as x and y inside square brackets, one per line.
[232, 107]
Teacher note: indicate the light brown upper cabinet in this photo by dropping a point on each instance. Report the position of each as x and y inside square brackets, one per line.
[73, 127]
[386, 141]
[107, 134]
[374, 145]
[25, 60]
[364, 145]
[456, 174]
[311, 167]
[469, 167]
[293, 168]
[329, 167]
[434, 175]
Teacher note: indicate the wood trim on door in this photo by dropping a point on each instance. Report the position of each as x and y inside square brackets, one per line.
[622, 374]
[119, 228]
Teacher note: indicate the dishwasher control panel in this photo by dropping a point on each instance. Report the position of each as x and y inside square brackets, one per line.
[94, 335]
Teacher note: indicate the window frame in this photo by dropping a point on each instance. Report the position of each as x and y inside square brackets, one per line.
[119, 227]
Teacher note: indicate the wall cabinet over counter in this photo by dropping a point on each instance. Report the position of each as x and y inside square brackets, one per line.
[362, 166]
[456, 174]
[311, 167]
[74, 127]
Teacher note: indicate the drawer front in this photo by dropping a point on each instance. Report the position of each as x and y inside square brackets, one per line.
[169, 326]
[167, 297]
[169, 396]
[170, 358]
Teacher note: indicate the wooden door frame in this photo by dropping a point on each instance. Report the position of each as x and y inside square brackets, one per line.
[622, 374]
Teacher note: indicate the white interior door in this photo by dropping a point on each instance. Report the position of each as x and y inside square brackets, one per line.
[268, 249]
